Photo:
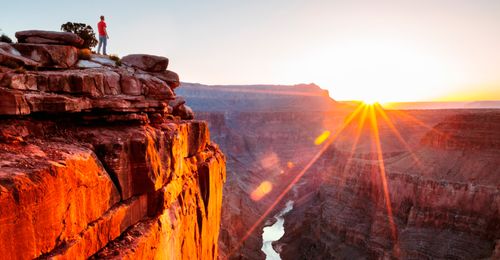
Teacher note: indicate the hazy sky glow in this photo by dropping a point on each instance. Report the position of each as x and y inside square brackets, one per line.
[380, 50]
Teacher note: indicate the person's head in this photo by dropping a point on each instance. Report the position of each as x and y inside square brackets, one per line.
[102, 17]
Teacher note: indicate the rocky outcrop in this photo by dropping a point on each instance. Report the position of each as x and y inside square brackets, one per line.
[94, 164]
[146, 62]
[11, 58]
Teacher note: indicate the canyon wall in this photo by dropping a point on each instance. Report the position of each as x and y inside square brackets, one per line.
[440, 166]
[100, 159]
[436, 199]
[268, 134]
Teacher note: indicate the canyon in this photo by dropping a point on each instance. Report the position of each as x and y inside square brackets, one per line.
[100, 159]
[103, 159]
[428, 188]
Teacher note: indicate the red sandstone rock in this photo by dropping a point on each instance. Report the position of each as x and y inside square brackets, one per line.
[170, 77]
[49, 37]
[56, 56]
[177, 102]
[11, 58]
[146, 62]
[105, 229]
[154, 87]
[93, 166]
[196, 175]
[130, 85]
[40, 40]
[187, 225]
[12, 102]
[184, 112]
[52, 103]
[50, 193]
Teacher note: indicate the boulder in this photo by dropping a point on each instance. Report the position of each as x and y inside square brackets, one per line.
[170, 77]
[150, 63]
[10, 57]
[184, 112]
[55, 56]
[154, 88]
[49, 37]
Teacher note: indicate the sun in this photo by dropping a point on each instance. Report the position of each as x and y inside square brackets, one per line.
[369, 101]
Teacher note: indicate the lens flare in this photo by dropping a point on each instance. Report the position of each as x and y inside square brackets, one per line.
[322, 137]
[262, 190]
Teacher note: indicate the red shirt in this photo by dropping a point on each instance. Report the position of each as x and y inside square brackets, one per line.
[100, 27]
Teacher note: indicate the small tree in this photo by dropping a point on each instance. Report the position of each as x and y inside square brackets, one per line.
[84, 31]
[5, 38]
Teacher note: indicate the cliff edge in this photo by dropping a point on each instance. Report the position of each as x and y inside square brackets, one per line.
[98, 159]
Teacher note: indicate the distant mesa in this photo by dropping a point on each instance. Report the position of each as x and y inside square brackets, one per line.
[257, 97]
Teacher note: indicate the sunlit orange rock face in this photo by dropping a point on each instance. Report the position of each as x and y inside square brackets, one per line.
[95, 170]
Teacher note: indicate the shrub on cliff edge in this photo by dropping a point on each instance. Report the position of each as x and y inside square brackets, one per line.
[117, 59]
[84, 31]
[5, 38]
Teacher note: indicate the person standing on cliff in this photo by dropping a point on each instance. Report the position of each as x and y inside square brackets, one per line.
[103, 36]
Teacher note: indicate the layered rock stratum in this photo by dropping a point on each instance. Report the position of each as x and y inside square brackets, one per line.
[100, 160]
[441, 171]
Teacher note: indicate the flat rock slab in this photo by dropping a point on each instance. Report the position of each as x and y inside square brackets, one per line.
[103, 60]
[49, 37]
[150, 63]
[87, 64]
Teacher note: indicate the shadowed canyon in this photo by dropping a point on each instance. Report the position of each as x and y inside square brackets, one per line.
[367, 183]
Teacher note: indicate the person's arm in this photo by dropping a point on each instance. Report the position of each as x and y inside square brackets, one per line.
[106, 32]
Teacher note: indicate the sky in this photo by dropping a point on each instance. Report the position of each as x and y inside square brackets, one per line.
[397, 50]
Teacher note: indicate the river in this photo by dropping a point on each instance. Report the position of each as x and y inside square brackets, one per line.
[274, 233]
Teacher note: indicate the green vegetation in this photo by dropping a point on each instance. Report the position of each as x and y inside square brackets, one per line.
[5, 38]
[84, 31]
[117, 59]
